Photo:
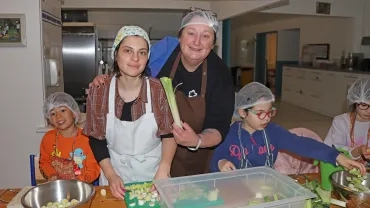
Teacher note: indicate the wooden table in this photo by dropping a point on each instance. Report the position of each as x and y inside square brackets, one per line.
[99, 201]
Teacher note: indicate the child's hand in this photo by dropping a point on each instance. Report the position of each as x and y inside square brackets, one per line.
[225, 165]
[53, 178]
[361, 150]
[350, 164]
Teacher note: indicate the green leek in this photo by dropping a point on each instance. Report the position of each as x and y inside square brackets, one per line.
[171, 98]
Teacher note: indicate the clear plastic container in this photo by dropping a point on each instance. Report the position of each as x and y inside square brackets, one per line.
[258, 187]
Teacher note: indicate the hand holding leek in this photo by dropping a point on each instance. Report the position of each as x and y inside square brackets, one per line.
[183, 133]
[171, 98]
[185, 136]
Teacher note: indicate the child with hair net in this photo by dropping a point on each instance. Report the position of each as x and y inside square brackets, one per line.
[255, 141]
[64, 151]
[350, 130]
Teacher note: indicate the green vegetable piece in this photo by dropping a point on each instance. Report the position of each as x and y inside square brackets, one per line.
[324, 195]
[308, 204]
[276, 197]
[267, 199]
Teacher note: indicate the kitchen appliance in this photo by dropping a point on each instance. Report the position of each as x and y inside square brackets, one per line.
[326, 170]
[353, 60]
[80, 63]
[365, 65]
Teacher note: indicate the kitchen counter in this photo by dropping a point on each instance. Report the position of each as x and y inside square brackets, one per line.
[332, 69]
[100, 201]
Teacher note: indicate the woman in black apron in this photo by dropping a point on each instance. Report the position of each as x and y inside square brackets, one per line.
[205, 96]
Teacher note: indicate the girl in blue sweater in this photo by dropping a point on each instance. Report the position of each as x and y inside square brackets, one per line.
[255, 141]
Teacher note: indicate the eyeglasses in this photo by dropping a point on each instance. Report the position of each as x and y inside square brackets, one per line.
[262, 115]
[363, 106]
[193, 9]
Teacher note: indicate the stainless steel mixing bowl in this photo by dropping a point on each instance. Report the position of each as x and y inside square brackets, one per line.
[58, 190]
[341, 190]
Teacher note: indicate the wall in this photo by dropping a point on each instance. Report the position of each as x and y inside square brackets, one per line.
[22, 97]
[110, 21]
[338, 8]
[335, 31]
[357, 9]
[224, 9]
[52, 43]
[228, 9]
[288, 45]
[219, 39]
[288, 53]
[366, 28]
[141, 4]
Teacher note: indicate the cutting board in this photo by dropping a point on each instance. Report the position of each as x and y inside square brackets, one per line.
[16, 201]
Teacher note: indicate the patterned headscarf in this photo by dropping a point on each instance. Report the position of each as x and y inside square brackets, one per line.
[129, 31]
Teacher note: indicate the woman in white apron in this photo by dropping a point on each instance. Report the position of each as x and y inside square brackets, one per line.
[128, 119]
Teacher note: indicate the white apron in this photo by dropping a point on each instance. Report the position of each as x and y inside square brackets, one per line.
[135, 150]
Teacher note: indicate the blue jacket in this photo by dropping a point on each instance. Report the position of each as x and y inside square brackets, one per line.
[160, 52]
[280, 139]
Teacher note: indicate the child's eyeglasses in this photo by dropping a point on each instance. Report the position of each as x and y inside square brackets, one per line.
[262, 115]
[363, 106]
[193, 9]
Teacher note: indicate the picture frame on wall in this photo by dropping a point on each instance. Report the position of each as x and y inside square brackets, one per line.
[321, 51]
[323, 8]
[13, 30]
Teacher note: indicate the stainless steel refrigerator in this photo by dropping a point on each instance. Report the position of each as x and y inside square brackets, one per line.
[80, 62]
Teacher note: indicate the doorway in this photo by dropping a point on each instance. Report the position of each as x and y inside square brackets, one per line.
[266, 56]
[271, 56]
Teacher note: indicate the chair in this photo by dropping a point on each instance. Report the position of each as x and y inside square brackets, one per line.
[96, 182]
[37, 176]
[289, 163]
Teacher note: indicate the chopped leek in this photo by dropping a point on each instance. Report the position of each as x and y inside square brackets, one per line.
[275, 197]
[170, 93]
[308, 204]
[324, 195]
[356, 180]
[338, 202]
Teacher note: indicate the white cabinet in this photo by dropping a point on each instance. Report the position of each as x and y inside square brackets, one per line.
[321, 91]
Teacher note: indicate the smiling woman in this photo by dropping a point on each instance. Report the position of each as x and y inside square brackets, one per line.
[128, 118]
